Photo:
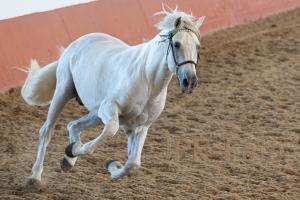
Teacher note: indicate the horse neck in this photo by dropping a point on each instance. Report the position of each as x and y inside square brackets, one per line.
[157, 72]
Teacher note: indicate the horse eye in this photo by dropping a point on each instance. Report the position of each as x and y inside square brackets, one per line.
[177, 45]
[198, 48]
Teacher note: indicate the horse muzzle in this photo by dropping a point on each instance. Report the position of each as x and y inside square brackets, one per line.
[188, 83]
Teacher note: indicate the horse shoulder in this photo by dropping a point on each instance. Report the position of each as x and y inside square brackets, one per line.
[156, 106]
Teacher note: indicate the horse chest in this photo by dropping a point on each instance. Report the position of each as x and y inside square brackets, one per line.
[139, 116]
[133, 115]
[131, 121]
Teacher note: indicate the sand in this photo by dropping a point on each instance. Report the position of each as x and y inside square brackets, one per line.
[236, 137]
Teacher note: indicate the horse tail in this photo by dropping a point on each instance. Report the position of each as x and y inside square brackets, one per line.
[40, 83]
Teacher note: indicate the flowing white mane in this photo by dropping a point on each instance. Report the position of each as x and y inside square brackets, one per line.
[167, 23]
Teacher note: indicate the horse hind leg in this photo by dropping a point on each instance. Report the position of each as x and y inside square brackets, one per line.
[74, 130]
[63, 93]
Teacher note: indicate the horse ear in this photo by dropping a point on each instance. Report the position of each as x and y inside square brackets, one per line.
[200, 21]
[177, 22]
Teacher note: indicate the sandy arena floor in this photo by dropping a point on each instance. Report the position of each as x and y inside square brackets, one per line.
[236, 137]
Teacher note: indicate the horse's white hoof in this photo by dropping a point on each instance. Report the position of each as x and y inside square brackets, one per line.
[33, 184]
[67, 163]
[114, 166]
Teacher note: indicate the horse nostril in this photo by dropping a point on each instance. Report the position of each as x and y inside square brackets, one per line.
[185, 82]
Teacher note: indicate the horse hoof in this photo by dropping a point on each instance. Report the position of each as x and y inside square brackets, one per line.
[108, 163]
[68, 150]
[33, 184]
[65, 165]
[113, 165]
[115, 168]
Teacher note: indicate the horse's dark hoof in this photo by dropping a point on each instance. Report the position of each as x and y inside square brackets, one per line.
[65, 165]
[33, 184]
[68, 150]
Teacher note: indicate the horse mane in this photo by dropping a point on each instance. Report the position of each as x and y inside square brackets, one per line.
[167, 23]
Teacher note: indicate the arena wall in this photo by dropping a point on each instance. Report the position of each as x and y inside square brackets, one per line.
[39, 35]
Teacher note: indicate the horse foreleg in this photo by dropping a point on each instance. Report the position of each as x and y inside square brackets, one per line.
[136, 140]
[74, 130]
[109, 114]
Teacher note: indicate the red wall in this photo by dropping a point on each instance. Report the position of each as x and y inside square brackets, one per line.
[38, 35]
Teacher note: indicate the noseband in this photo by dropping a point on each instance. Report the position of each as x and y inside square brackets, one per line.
[169, 37]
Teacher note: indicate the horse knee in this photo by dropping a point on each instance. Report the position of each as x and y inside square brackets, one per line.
[113, 127]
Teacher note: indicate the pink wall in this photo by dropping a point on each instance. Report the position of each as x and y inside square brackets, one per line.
[38, 35]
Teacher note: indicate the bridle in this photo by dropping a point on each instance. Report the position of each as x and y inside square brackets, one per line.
[170, 36]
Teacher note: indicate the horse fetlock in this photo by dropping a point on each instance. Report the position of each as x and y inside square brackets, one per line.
[134, 166]
[33, 184]
[37, 172]
[69, 150]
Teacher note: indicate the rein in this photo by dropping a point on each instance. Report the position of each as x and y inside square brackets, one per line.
[169, 37]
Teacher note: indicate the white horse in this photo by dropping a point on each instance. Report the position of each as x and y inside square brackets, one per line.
[122, 86]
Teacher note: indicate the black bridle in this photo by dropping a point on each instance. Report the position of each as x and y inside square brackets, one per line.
[170, 36]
